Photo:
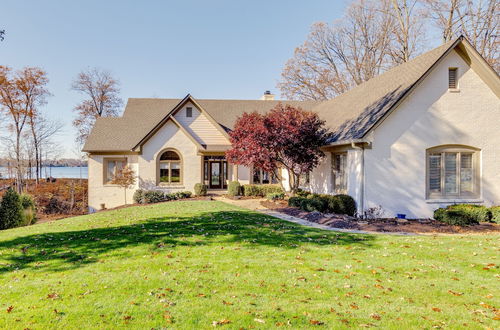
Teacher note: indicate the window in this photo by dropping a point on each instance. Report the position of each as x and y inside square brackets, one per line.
[305, 179]
[170, 167]
[452, 78]
[111, 168]
[453, 172]
[339, 175]
[189, 112]
[262, 177]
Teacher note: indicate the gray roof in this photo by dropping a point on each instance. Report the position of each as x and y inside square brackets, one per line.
[350, 116]
[141, 115]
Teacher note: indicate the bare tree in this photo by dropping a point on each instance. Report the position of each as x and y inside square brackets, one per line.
[125, 178]
[408, 32]
[21, 94]
[102, 99]
[337, 57]
[42, 130]
[477, 20]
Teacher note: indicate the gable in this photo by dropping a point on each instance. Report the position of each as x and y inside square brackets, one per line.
[433, 115]
[199, 126]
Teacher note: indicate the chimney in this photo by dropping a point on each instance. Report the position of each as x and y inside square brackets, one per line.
[267, 96]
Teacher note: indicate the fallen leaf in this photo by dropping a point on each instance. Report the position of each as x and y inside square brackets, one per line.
[9, 309]
[455, 293]
[375, 316]
[436, 309]
[259, 320]
[316, 322]
[221, 322]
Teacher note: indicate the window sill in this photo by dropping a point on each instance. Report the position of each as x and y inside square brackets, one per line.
[453, 201]
[171, 185]
[454, 90]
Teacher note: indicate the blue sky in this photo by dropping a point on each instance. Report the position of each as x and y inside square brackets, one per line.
[211, 49]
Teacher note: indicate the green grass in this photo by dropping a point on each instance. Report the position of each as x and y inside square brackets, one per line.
[187, 264]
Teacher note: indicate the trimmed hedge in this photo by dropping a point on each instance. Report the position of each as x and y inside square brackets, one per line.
[200, 189]
[466, 214]
[261, 190]
[157, 196]
[338, 204]
[275, 196]
[495, 213]
[234, 188]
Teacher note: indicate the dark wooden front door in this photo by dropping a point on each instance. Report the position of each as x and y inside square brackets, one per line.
[215, 175]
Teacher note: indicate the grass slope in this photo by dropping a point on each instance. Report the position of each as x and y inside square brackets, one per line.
[196, 264]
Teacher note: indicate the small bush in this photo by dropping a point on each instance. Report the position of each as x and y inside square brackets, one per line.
[11, 210]
[261, 190]
[347, 204]
[29, 207]
[139, 196]
[183, 194]
[234, 188]
[495, 214]
[275, 196]
[339, 204]
[314, 204]
[295, 201]
[464, 214]
[455, 217]
[200, 189]
[153, 196]
[302, 193]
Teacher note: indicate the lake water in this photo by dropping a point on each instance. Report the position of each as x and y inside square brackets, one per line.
[57, 172]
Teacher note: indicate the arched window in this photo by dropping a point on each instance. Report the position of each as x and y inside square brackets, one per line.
[453, 172]
[170, 167]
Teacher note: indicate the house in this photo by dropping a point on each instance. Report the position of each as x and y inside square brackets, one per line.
[422, 135]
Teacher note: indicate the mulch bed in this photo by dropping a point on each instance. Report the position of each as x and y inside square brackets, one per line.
[422, 226]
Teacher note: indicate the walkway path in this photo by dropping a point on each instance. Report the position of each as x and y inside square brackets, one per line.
[255, 205]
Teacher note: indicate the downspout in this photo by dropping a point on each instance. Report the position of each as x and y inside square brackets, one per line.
[362, 183]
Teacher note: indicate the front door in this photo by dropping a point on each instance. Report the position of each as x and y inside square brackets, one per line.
[215, 175]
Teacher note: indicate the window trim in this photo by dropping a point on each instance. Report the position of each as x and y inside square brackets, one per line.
[476, 173]
[181, 171]
[189, 112]
[105, 161]
[334, 177]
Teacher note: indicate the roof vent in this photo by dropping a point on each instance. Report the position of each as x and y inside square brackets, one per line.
[267, 96]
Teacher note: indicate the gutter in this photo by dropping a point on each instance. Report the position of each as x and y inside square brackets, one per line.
[362, 183]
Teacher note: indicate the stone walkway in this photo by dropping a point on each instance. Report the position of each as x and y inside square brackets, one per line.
[255, 205]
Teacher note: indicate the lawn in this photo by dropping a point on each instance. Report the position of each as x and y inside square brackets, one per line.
[199, 264]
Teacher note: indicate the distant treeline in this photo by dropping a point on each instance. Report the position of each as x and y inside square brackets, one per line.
[63, 162]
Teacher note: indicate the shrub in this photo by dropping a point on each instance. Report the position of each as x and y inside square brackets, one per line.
[295, 201]
[314, 204]
[234, 188]
[200, 189]
[153, 196]
[183, 194]
[261, 190]
[347, 204]
[275, 196]
[11, 210]
[495, 213]
[29, 207]
[455, 217]
[252, 190]
[139, 196]
[302, 193]
[339, 204]
[479, 212]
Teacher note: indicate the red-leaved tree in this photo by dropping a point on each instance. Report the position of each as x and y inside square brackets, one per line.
[285, 138]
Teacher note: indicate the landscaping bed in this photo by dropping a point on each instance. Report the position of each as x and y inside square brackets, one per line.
[380, 225]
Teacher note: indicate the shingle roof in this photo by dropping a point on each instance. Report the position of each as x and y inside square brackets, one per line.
[141, 115]
[351, 115]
